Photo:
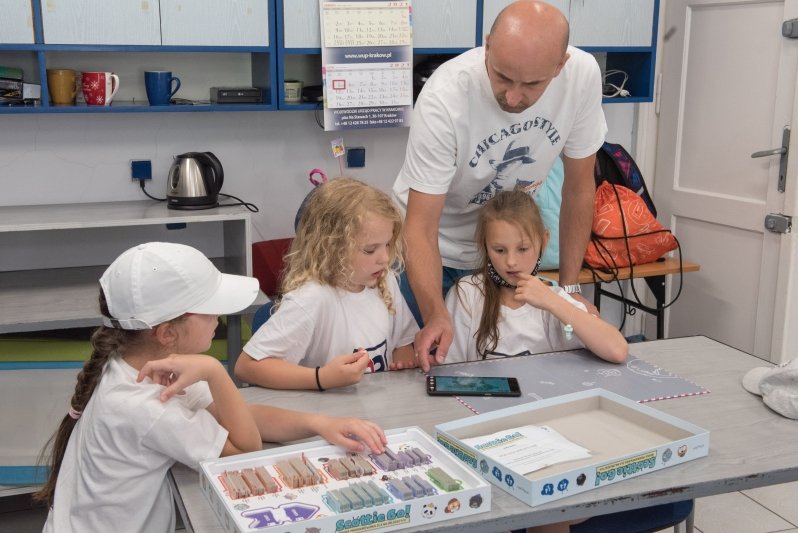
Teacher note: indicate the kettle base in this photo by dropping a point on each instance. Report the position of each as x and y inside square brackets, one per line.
[184, 207]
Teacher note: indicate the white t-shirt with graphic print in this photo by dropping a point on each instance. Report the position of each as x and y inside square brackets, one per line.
[463, 145]
[316, 323]
[522, 331]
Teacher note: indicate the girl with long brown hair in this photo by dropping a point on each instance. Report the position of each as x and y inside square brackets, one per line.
[504, 309]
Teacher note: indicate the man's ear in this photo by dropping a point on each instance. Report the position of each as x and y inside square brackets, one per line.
[562, 64]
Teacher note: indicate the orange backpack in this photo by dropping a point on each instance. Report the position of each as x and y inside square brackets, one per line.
[625, 231]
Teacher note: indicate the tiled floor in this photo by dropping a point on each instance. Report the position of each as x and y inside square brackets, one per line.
[764, 510]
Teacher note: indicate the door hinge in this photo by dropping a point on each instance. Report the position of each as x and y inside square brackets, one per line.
[778, 223]
[789, 29]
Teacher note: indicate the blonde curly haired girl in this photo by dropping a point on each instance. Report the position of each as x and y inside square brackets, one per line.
[341, 313]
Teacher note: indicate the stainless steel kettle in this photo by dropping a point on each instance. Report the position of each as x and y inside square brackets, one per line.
[194, 181]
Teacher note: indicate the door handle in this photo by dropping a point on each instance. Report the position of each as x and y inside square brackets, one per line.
[765, 153]
[783, 152]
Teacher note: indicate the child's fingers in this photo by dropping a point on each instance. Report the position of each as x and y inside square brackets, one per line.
[174, 385]
[362, 362]
[362, 433]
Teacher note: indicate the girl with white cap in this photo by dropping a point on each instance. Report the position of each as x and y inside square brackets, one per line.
[145, 400]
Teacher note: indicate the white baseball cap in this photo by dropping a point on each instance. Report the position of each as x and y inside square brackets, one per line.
[155, 282]
[777, 385]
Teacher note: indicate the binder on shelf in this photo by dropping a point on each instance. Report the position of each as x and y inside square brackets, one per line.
[11, 73]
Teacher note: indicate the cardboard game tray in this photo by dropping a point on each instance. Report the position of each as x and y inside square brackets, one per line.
[625, 439]
[318, 486]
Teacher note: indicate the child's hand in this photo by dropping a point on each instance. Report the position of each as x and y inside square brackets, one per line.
[178, 371]
[404, 357]
[354, 434]
[344, 370]
[402, 365]
[533, 291]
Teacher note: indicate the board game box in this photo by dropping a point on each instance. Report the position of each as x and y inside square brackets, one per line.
[624, 438]
[316, 487]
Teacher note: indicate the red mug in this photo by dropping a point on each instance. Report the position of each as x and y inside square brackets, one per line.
[99, 88]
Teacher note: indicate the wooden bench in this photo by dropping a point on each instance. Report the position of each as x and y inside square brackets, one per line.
[654, 275]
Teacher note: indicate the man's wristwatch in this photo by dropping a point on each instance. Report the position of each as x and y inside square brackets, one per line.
[572, 289]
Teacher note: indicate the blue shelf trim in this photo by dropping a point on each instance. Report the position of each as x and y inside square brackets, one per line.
[301, 51]
[40, 365]
[23, 475]
[614, 49]
[144, 108]
[440, 51]
[479, 36]
[150, 48]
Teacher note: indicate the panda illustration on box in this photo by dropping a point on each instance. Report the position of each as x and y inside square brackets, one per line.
[428, 511]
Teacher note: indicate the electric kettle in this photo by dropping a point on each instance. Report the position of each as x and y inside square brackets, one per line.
[194, 181]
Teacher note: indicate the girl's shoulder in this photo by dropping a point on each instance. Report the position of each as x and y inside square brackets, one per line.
[310, 290]
[470, 283]
[467, 289]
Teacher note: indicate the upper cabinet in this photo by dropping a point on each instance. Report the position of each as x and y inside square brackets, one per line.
[621, 34]
[437, 24]
[491, 8]
[301, 26]
[612, 22]
[604, 23]
[101, 22]
[444, 24]
[16, 22]
[154, 23]
[215, 23]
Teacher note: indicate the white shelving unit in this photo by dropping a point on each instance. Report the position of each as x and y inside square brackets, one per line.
[60, 297]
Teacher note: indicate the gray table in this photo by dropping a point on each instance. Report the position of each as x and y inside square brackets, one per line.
[750, 446]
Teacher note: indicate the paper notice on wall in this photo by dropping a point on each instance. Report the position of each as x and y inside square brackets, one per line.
[367, 63]
[366, 24]
[528, 448]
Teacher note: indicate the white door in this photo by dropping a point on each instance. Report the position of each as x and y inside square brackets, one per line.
[729, 90]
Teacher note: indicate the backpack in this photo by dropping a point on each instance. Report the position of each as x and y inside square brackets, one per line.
[615, 165]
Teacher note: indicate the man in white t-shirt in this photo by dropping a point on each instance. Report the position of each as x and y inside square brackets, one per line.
[490, 119]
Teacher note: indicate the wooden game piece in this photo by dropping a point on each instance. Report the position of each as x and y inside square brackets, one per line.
[442, 479]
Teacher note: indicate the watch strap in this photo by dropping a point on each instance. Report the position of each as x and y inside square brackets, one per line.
[572, 289]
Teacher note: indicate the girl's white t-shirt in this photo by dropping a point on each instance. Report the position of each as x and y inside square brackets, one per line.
[316, 323]
[522, 331]
[113, 475]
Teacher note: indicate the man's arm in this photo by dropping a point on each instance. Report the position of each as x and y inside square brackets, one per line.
[576, 218]
[424, 267]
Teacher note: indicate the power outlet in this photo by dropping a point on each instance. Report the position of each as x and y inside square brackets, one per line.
[356, 157]
[141, 169]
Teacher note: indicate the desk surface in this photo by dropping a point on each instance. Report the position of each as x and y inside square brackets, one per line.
[750, 446]
[669, 265]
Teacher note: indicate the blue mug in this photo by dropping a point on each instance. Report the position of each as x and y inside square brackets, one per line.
[159, 85]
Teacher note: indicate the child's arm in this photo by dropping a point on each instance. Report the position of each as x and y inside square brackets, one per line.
[275, 373]
[403, 357]
[600, 337]
[281, 425]
[177, 372]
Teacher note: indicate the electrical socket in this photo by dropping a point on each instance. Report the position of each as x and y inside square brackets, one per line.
[141, 169]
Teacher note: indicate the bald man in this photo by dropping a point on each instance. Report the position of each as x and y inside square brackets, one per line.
[496, 118]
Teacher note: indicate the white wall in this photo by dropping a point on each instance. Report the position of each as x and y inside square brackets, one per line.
[80, 158]
[266, 157]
